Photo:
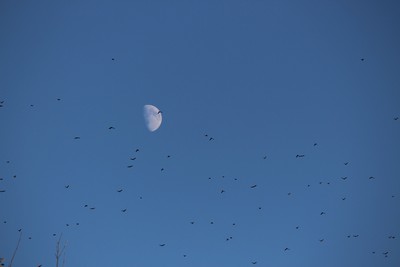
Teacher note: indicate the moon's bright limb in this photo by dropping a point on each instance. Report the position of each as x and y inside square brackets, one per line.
[152, 117]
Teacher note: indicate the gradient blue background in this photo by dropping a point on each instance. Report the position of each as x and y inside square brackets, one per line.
[261, 77]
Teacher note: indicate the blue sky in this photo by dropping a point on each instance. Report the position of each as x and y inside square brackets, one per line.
[263, 78]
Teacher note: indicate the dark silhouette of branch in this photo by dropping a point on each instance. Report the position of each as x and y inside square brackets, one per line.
[59, 251]
[15, 251]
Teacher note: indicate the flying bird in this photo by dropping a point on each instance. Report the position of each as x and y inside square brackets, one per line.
[77, 137]
[162, 169]
[2, 191]
[265, 157]
[210, 139]
[161, 245]
[346, 163]
[322, 213]
[344, 177]
[371, 177]
[124, 210]
[343, 198]
[362, 59]
[66, 186]
[315, 144]
[396, 118]
[222, 191]
[111, 128]
[321, 240]
[119, 191]
[137, 150]
[133, 158]
[254, 262]
[129, 166]
[253, 186]
[287, 249]
[299, 156]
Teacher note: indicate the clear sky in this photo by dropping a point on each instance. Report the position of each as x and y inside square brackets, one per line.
[261, 77]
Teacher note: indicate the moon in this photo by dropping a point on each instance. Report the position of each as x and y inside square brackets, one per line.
[152, 117]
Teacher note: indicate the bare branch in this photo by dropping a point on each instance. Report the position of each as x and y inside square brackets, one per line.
[15, 251]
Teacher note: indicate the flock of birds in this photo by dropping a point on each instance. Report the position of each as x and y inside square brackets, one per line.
[208, 138]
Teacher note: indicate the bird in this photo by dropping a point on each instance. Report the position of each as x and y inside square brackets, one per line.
[92, 208]
[161, 245]
[343, 198]
[14, 176]
[299, 156]
[19, 230]
[137, 150]
[233, 224]
[259, 208]
[2, 191]
[297, 227]
[322, 213]
[371, 177]
[184, 255]
[30, 238]
[286, 249]
[346, 163]
[86, 206]
[129, 166]
[348, 236]
[77, 137]
[355, 235]
[168, 156]
[124, 210]
[119, 191]
[58, 99]
[222, 191]
[191, 222]
[67, 224]
[265, 157]
[210, 139]
[289, 194]
[211, 222]
[77, 223]
[162, 169]
[396, 118]
[253, 186]
[253, 262]
[344, 178]
[112, 59]
[111, 128]
[315, 144]
[5, 222]
[133, 158]
[362, 59]
[66, 186]
[54, 234]
[321, 240]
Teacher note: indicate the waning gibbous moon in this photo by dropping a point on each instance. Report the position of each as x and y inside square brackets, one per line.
[152, 117]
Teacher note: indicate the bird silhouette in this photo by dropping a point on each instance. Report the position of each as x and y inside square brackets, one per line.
[133, 158]
[111, 128]
[210, 139]
[161, 245]
[346, 163]
[265, 157]
[222, 191]
[362, 59]
[396, 118]
[66, 186]
[92, 208]
[191, 222]
[137, 150]
[168, 156]
[119, 191]
[77, 137]
[124, 210]
[344, 178]
[129, 166]
[343, 198]
[321, 240]
[112, 59]
[2, 191]
[300, 156]
[254, 262]
[253, 186]
[371, 177]
[355, 235]
[322, 213]
[286, 249]
[315, 144]
[297, 227]
[162, 169]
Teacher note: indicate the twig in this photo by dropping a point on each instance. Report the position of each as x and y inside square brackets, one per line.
[15, 251]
